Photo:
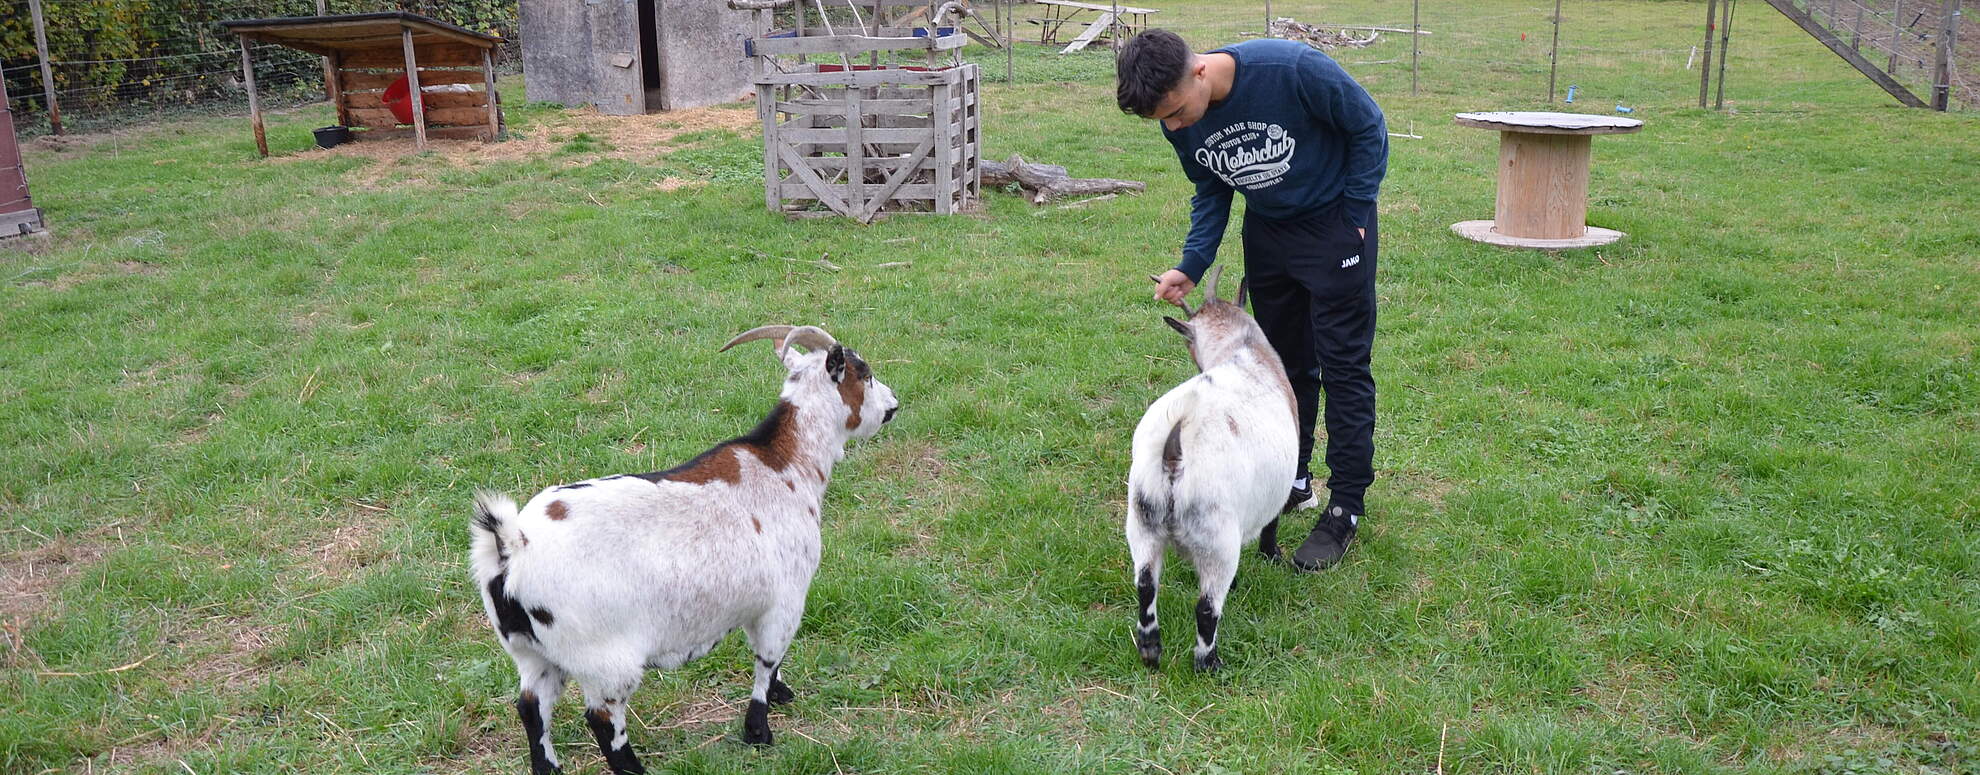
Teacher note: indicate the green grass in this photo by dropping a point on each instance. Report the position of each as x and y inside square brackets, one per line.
[1701, 501]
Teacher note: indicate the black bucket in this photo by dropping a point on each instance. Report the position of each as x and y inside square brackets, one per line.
[332, 136]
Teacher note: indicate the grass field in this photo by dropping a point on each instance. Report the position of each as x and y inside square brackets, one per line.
[1701, 501]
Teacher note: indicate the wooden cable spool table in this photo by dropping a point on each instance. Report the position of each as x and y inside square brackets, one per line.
[1543, 179]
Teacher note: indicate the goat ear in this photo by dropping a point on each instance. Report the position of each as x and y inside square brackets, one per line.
[1244, 287]
[835, 362]
[1180, 327]
[787, 355]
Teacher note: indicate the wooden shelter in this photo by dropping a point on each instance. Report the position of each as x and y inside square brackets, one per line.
[18, 215]
[367, 52]
[861, 139]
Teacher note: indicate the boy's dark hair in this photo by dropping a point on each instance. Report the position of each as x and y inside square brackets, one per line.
[1150, 66]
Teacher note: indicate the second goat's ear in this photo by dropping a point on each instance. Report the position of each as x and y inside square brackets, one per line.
[1180, 327]
[835, 362]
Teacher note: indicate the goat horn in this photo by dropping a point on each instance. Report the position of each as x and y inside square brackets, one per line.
[1184, 304]
[808, 337]
[1210, 283]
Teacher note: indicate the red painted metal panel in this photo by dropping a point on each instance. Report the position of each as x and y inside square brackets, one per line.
[13, 178]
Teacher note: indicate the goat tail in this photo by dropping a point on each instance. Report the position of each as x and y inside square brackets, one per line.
[493, 530]
[1160, 437]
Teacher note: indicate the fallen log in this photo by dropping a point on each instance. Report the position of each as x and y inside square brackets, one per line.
[1044, 182]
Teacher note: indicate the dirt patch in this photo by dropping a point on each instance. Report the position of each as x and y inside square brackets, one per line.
[914, 465]
[1421, 485]
[29, 579]
[348, 548]
[70, 280]
[156, 748]
[230, 648]
[632, 138]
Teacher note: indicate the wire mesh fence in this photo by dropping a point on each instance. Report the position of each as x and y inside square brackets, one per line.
[1507, 55]
[121, 61]
[116, 62]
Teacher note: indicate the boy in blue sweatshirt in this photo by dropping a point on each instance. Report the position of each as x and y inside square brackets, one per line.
[1285, 125]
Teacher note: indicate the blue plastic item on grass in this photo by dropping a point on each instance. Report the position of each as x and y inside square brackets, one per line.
[1570, 97]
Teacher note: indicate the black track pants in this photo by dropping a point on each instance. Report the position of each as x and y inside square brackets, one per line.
[1313, 292]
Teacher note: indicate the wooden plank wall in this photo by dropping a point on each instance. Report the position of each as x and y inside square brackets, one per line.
[364, 75]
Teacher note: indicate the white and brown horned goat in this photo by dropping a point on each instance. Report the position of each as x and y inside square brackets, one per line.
[1211, 461]
[604, 579]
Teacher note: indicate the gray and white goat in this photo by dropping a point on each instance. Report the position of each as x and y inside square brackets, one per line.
[1212, 461]
[604, 579]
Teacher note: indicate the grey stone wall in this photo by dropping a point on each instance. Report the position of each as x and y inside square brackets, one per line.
[586, 52]
[701, 53]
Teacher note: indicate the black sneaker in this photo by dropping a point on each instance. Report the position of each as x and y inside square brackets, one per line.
[1329, 540]
[1301, 498]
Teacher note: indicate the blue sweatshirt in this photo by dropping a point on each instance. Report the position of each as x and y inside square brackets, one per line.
[1295, 134]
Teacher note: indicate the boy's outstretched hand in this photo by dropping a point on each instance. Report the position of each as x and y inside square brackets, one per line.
[1173, 286]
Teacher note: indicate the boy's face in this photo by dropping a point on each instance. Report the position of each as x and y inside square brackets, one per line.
[1185, 104]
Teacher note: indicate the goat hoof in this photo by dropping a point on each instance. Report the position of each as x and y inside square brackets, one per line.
[1209, 663]
[1150, 646]
[758, 737]
[780, 693]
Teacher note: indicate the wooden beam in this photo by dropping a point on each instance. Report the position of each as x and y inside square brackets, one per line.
[367, 80]
[254, 101]
[494, 102]
[430, 55]
[434, 100]
[333, 83]
[412, 80]
[47, 75]
[1856, 60]
[1705, 69]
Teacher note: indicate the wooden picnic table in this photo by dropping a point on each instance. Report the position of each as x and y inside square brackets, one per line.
[1059, 13]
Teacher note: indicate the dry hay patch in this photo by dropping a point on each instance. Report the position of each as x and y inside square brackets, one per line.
[159, 748]
[69, 280]
[348, 548]
[633, 138]
[230, 648]
[29, 578]
[915, 466]
[1425, 486]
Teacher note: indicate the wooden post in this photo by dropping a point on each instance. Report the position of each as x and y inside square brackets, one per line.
[945, 157]
[1553, 54]
[1897, 36]
[1114, 30]
[1725, 53]
[1010, 41]
[254, 100]
[1942, 62]
[1268, 18]
[329, 67]
[333, 84]
[1415, 35]
[488, 82]
[47, 75]
[1856, 30]
[1705, 68]
[412, 81]
[856, 149]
